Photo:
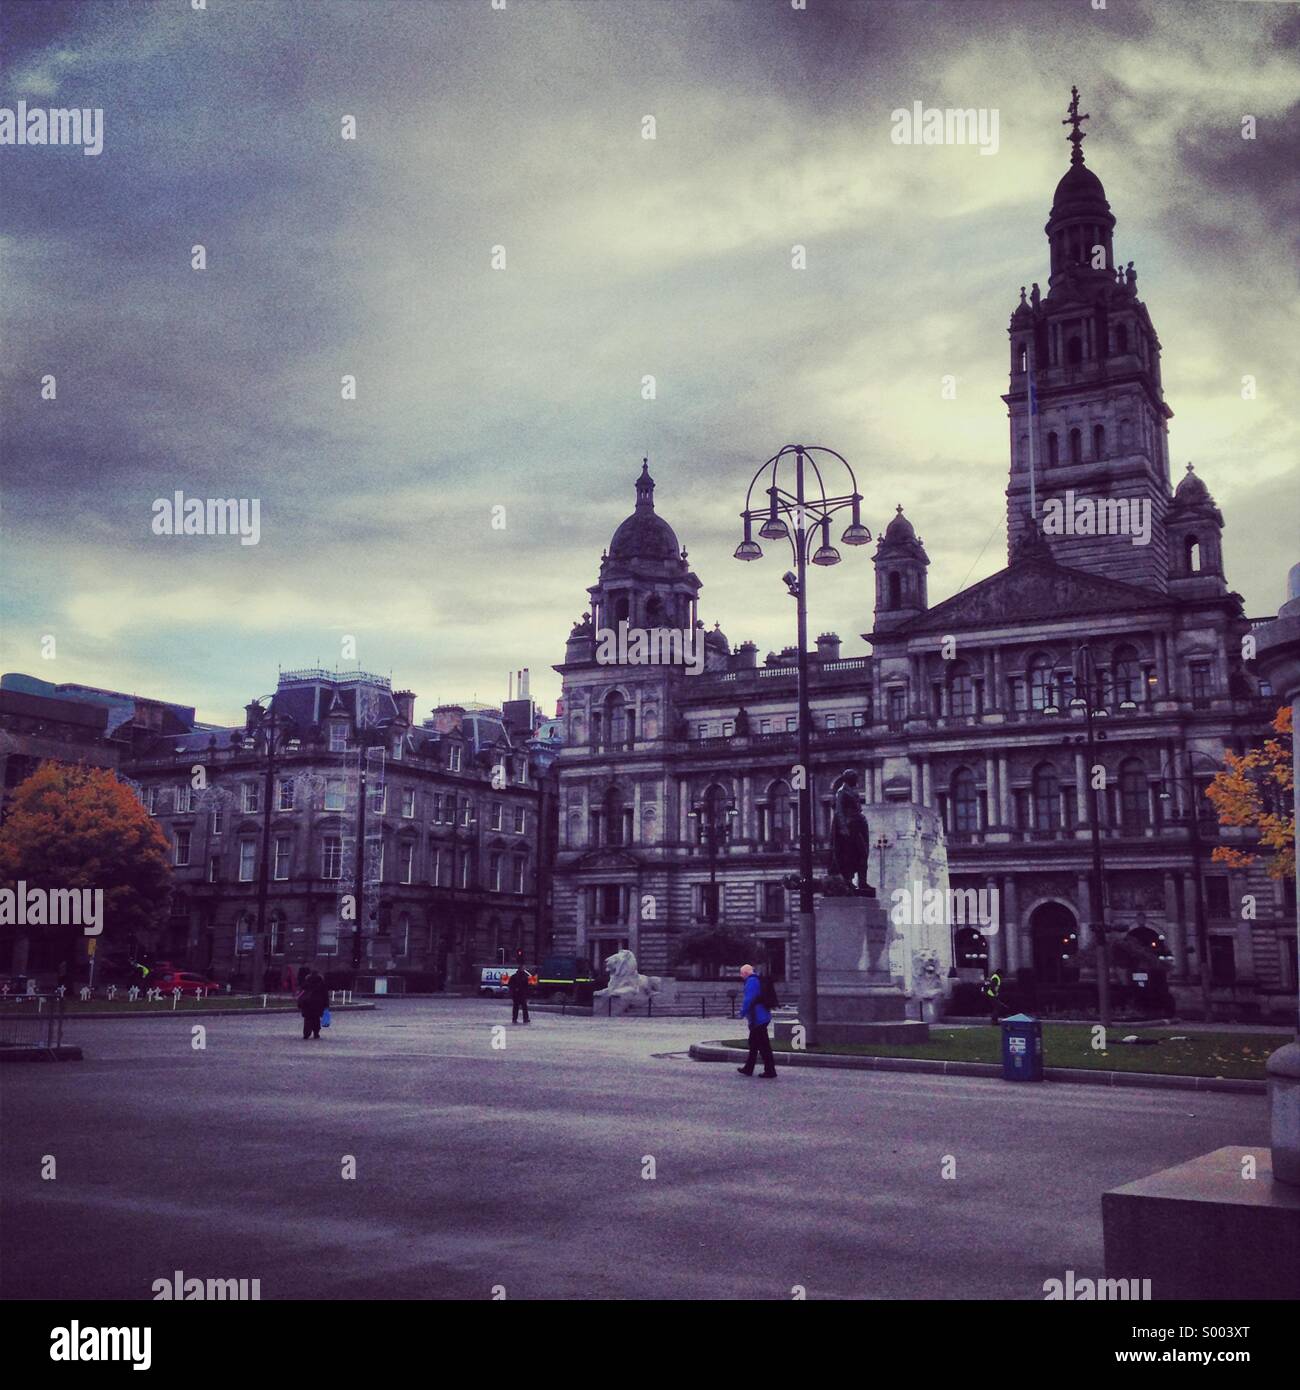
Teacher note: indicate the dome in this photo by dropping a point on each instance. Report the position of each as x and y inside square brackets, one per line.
[900, 529]
[716, 640]
[644, 535]
[1192, 492]
[1079, 190]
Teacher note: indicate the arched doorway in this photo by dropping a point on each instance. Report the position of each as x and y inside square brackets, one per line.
[972, 949]
[1055, 936]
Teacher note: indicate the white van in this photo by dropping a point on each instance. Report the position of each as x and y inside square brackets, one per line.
[493, 981]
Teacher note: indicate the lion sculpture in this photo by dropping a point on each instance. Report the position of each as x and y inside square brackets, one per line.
[626, 987]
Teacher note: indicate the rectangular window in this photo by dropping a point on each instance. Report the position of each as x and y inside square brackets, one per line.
[332, 857]
[151, 800]
[728, 728]
[379, 799]
[1216, 896]
[773, 902]
[247, 860]
[1019, 694]
[334, 794]
[214, 821]
[464, 869]
[338, 738]
[327, 936]
[519, 820]
[791, 724]
[467, 812]
[408, 803]
[453, 757]
[436, 858]
[522, 778]
[707, 902]
[397, 751]
[182, 799]
[1201, 686]
[214, 869]
[277, 934]
[701, 731]
[281, 867]
[1223, 960]
[406, 861]
[764, 726]
[252, 796]
[494, 873]
[859, 718]
[897, 697]
[285, 802]
[832, 723]
[181, 849]
[517, 874]
[496, 815]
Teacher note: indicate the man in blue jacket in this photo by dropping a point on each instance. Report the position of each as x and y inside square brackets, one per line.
[758, 1016]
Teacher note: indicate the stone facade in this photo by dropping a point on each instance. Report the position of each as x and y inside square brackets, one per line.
[672, 780]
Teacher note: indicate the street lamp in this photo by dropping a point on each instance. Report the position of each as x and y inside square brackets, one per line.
[1087, 702]
[1194, 835]
[260, 718]
[811, 516]
[713, 823]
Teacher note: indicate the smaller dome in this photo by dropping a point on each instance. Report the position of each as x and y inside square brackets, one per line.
[717, 639]
[1191, 492]
[900, 529]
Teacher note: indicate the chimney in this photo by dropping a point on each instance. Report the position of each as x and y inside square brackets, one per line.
[510, 685]
[405, 702]
[523, 684]
[828, 647]
[746, 657]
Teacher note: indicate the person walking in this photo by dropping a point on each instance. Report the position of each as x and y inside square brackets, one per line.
[519, 989]
[758, 1016]
[313, 1000]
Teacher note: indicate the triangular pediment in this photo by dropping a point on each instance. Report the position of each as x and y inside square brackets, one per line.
[1033, 591]
[607, 858]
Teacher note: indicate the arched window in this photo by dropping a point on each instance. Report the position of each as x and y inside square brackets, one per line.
[1099, 441]
[1040, 683]
[961, 691]
[1053, 448]
[621, 608]
[1074, 352]
[1128, 675]
[402, 938]
[617, 720]
[965, 802]
[1022, 358]
[1047, 798]
[1076, 446]
[1192, 555]
[895, 589]
[1121, 338]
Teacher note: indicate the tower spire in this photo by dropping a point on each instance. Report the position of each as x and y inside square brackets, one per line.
[1076, 137]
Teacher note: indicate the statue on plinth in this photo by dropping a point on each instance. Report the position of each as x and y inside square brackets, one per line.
[627, 986]
[850, 835]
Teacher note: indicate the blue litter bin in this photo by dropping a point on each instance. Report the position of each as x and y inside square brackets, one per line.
[1022, 1048]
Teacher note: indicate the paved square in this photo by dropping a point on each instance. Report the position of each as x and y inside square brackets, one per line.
[523, 1167]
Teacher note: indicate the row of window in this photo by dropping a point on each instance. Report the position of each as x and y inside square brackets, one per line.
[506, 872]
[446, 808]
[612, 903]
[789, 723]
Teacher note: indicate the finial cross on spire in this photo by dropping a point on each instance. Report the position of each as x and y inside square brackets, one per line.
[1076, 137]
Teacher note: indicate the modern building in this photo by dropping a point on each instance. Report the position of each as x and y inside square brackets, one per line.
[676, 805]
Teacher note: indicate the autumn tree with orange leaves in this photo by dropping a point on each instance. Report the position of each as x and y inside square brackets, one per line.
[79, 827]
[1255, 790]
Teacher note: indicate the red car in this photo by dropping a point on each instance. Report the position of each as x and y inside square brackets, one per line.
[184, 980]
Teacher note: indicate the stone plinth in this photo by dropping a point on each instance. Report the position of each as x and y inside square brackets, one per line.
[1201, 1230]
[856, 990]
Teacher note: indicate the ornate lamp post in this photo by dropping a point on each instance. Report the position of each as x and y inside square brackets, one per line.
[803, 521]
[713, 820]
[1194, 832]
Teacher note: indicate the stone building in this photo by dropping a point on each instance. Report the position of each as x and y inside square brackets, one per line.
[455, 839]
[675, 801]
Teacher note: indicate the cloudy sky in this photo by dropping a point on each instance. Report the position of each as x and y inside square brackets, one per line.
[521, 387]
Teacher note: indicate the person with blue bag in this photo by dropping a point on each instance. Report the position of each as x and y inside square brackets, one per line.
[755, 1010]
[313, 1001]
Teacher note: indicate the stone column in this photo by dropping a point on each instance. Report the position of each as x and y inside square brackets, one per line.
[991, 792]
[927, 797]
[916, 780]
[1083, 890]
[636, 813]
[878, 772]
[1011, 923]
[996, 942]
[1080, 790]
[1162, 664]
[1004, 791]
[1175, 927]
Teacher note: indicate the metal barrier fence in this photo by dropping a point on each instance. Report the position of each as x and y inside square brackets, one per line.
[710, 1006]
[31, 1021]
